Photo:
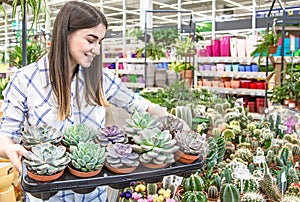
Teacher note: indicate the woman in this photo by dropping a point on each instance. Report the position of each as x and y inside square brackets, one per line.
[68, 86]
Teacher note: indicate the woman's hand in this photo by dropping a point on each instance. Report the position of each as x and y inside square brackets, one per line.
[12, 151]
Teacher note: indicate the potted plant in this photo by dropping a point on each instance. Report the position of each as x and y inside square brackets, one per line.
[156, 148]
[87, 159]
[78, 133]
[46, 162]
[154, 51]
[165, 36]
[266, 45]
[110, 135]
[121, 158]
[34, 135]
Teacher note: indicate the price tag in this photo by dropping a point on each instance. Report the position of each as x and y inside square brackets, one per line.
[283, 177]
[259, 159]
[242, 173]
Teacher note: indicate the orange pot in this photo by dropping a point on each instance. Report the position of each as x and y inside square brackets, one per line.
[120, 170]
[45, 178]
[154, 166]
[186, 158]
[83, 174]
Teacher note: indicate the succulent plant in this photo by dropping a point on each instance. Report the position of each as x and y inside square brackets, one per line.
[155, 146]
[252, 197]
[229, 193]
[212, 192]
[170, 123]
[192, 196]
[110, 134]
[46, 159]
[78, 133]
[191, 142]
[121, 155]
[248, 185]
[87, 156]
[193, 183]
[140, 121]
[34, 135]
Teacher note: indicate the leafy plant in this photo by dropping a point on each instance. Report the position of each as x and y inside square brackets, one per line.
[154, 51]
[34, 52]
[78, 133]
[165, 36]
[3, 84]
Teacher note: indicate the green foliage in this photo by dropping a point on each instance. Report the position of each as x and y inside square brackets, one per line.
[154, 51]
[165, 36]
[34, 52]
[3, 84]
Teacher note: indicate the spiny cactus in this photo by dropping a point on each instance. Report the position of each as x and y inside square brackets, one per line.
[296, 150]
[155, 146]
[46, 159]
[221, 148]
[151, 188]
[140, 121]
[229, 193]
[171, 124]
[34, 135]
[292, 176]
[193, 183]
[194, 196]
[252, 197]
[291, 198]
[212, 192]
[244, 154]
[268, 186]
[249, 185]
[110, 134]
[78, 133]
[121, 155]
[87, 156]
[191, 142]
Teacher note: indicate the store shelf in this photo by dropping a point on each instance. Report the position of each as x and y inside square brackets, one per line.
[248, 75]
[134, 85]
[127, 71]
[239, 91]
[118, 181]
[245, 60]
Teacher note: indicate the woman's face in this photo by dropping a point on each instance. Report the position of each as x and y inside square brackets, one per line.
[84, 45]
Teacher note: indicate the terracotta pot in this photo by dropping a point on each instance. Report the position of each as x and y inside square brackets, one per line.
[154, 166]
[81, 174]
[292, 103]
[120, 170]
[235, 83]
[213, 199]
[273, 49]
[45, 178]
[186, 158]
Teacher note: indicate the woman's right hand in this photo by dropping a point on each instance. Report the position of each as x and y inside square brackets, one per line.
[12, 151]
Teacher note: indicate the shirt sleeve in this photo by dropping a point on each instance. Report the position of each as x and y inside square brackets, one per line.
[119, 95]
[13, 109]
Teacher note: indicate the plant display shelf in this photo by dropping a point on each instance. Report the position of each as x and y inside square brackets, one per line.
[118, 181]
[248, 75]
[246, 60]
[238, 91]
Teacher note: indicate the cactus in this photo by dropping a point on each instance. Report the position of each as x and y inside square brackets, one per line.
[78, 133]
[216, 132]
[296, 150]
[244, 154]
[34, 135]
[212, 155]
[251, 168]
[228, 134]
[212, 192]
[291, 198]
[121, 155]
[286, 155]
[194, 196]
[46, 159]
[110, 134]
[87, 156]
[292, 176]
[229, 193]
[221, 149]
[151, 188]
[267, 185]
[193, 183]
[252, 197]
[249, 185]
[155, 146]
[184, 113]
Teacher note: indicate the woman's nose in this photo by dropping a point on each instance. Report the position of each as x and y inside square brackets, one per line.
[96, 50]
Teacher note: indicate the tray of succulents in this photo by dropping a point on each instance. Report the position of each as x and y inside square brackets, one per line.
[69, 181]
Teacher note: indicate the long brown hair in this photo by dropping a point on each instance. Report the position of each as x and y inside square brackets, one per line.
[73, 16]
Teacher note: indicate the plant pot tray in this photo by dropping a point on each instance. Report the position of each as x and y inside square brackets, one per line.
[118, 181]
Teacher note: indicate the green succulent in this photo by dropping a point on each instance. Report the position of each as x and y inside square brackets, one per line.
[191, 142]
[140, 121]
[34, 135]
[121, 155]
[87, 156]
[46, 159]
[252, 197]
[155, 146]
[78, 133]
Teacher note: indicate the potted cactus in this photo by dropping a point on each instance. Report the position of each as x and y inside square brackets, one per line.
[78, 133]
[46, 162]
[87, 159]
[140, 121]
[191, 146]
[121, 158]
[34, 135]
[110, 134]
[156, 147]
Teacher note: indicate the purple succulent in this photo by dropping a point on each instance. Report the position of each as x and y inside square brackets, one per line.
[171, 124]
[111, 134]
[121, 155]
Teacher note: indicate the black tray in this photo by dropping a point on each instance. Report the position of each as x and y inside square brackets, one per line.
[118, 181]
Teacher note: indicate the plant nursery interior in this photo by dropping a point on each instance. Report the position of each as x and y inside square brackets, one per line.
[227, 72]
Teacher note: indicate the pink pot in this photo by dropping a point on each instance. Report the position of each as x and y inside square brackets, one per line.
[225, 46]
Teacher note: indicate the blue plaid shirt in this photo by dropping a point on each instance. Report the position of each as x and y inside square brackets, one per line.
[30, 101]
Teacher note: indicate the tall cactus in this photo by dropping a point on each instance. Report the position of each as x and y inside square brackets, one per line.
[229, 193]
[212, 192]
[221, 149]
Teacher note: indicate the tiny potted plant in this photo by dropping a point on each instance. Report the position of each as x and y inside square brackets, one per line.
[110, 135]
[78, 133]
[46, 162]
[121, 158]
[87, 159]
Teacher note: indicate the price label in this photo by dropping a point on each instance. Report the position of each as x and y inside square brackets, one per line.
[259, 159]
[283, 177]
[242, 173]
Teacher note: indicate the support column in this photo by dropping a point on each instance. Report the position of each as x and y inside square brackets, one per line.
[146, 5]
[253, 17]
[124, 27]
[179, 17]
[213, 16]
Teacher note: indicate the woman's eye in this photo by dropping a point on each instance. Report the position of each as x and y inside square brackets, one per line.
[90, 41]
